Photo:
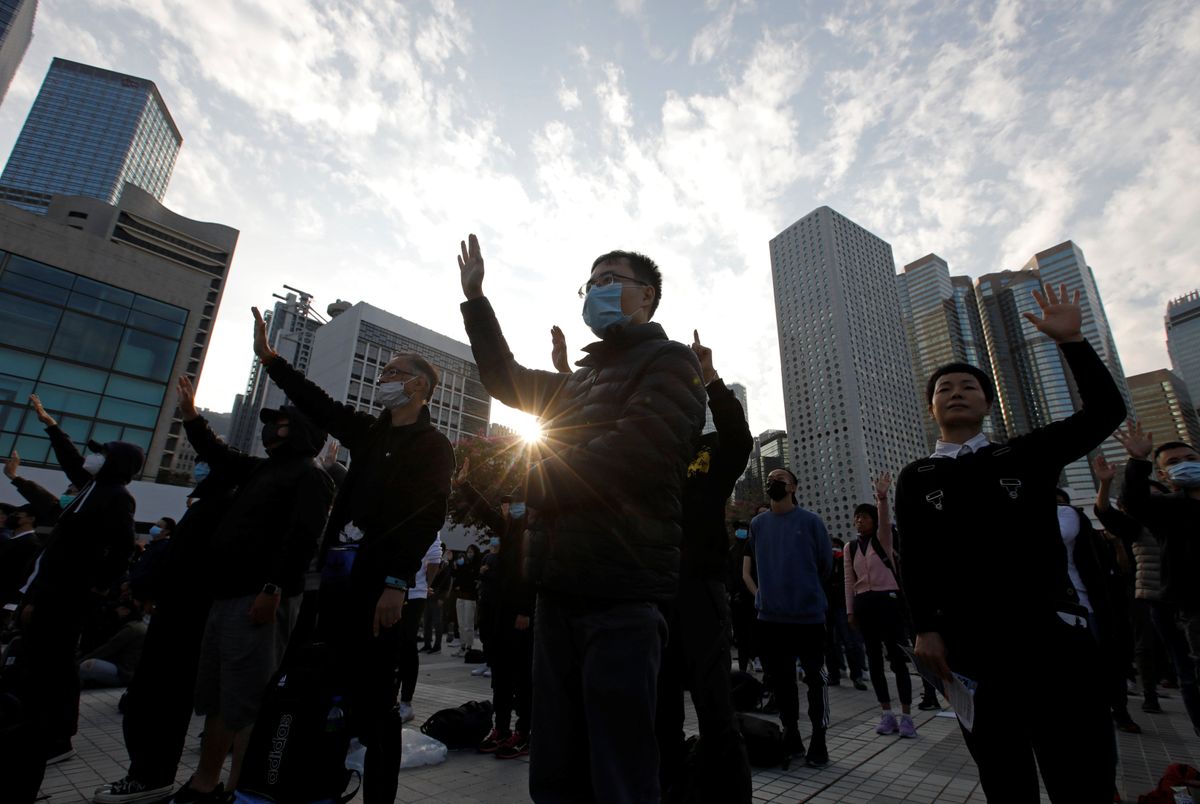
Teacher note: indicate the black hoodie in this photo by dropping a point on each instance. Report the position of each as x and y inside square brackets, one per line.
[94, 535]
[273, 523]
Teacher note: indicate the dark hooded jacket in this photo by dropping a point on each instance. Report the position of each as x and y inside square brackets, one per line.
[94, 535]
[271, 527]
[515, 593]
[620, 431]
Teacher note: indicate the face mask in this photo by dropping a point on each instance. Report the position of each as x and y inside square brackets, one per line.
[200, 471]
[155, 530]
[461, 561]
[602, 309]
[741, 533]
[270, 434]
[777, 490]
[393, 394]
[64, 500]
[93, 462]
[516, 510]
[494, 542]
[1186, 475]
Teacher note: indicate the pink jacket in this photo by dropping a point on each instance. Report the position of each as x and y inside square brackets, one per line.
[866, 573]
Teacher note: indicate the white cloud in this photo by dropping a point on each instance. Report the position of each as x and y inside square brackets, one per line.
[714, 37]
[568, 97]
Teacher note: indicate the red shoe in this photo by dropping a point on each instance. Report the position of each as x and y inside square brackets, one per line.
[493, 741]
[517, 746]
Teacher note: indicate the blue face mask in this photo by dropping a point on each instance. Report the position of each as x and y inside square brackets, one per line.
[516, 510]
[1186, 475]
[155, 530]
[602, 309]
[200, 471]
[64, 500]
[741, 533]
[461, 561]
[494, 542]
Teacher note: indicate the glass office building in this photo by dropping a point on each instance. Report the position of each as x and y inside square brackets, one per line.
[16, 32]
[89, 132]
[99, 357]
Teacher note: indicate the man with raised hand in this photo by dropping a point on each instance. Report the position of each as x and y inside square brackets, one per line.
[985, 574]
[605, 510]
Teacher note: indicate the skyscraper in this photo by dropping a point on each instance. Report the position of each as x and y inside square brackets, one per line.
[16, 32]
[847, 374]
[1183, 341]
[89, 132]
[941, 321]
[739, 391]
[1163, 407]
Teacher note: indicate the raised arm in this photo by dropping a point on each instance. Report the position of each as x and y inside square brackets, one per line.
[728, 418]
[65, 453]
[883, 528]
[45, 505]
[210, 449]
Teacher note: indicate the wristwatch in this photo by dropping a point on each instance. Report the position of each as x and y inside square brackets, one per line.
[270, 589]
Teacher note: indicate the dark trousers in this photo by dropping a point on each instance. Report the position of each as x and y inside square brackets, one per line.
[1146, 645]
[745, 626]
[697, 659]
[511, 658]
[1170, 629]
[595, 669]
[782, 644]
[881, 622]
[410, 663]
[1075, 733]
[841, 639]
[158, 705]
[432, 623]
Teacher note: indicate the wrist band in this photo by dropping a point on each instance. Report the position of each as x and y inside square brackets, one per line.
[392, 582]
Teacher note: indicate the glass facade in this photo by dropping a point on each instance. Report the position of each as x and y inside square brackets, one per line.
[99, 357]
[89, 132]
[1183, 341]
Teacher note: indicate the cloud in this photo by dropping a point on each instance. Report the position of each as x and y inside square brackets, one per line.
[568, 97]
[714, 37]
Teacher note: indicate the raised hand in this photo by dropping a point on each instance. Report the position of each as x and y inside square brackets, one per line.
[558, 350]
[12, 466]
[1136, 441]
[262, 348]
[1105, 471]
[882, 484]
[463, 471]
[704, 354]
[43, 417]
[187, 398]
[470, 267]
[329, 458]
[1062, 319]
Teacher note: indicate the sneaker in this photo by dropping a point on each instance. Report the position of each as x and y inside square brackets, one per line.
[860, 685]
[186, 795]
[487, 672]
[907, 727]
[793, 744]
[59, 752]
[1127, 725]
[493, 741]
[129, 790]
[1150, 706]
[887, 723]
[405, 711]
[516, 746]
[458, 653]
[478, 671]
[929, 705]
[818, 755]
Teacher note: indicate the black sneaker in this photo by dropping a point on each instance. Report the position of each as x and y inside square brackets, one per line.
[186, 795]
[493, 741]
[860, 685]
[929, 704]
[793, 744]
[60, 751]
[517, 746]
[1150, 705]
[130, 790]
[818, 755]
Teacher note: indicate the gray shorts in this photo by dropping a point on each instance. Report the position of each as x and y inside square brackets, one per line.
[238, 658]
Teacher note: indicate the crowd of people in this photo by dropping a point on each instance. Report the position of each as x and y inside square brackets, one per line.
[610, 582]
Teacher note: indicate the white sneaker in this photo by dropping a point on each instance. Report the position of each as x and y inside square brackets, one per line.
[405, 711]
[481, 670]
[487, 672]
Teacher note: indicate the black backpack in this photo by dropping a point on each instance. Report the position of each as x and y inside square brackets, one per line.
[763, 739]
[297, 750]
[745, 690]
[461, 727]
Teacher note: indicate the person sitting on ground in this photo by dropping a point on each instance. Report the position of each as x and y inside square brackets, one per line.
[113, 663]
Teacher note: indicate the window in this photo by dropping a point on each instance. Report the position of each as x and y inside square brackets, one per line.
[146, 355]
[86, 339]
[27, 324]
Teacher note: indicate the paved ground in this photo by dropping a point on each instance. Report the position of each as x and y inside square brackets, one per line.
[865, 767]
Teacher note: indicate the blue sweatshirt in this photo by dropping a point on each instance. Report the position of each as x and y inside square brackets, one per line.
[793, 556]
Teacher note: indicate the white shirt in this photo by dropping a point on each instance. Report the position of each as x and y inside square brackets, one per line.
[433, 555]
[947, 449]
[1068, 526]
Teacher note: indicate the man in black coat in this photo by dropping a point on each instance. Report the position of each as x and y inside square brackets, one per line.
[620, 432]
[84, 556]
[259, 554]
[395, 493]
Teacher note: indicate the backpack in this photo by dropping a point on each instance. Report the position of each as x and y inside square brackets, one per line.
[297, 748]
[763, 739]
[745, 690]
[463, 726]
[474, 656]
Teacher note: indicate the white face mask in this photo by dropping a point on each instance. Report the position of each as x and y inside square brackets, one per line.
[93, 462]
[393, 394]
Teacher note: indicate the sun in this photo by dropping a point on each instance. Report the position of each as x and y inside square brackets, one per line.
[530, 430]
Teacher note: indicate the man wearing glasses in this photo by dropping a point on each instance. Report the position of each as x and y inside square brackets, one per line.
[605, 524]
[395, 493]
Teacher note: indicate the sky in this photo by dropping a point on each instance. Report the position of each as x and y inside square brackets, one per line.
[354, 144]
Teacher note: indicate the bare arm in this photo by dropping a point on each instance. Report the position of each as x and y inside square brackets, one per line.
[747, 578]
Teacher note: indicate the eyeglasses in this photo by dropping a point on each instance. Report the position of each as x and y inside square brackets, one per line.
[393, 373]
[604, 280]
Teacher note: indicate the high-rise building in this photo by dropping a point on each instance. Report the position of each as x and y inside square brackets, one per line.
[349, 352]
[91, 132]
[103, 307]
[847, 374]
[1183, 341]
[1163, 407]
[16, 32]
[291, 326]
[739, 391]
[942, 324]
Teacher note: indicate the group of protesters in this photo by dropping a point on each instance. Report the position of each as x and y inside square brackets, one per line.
[611, 582]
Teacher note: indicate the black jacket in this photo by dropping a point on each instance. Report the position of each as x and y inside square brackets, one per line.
[711, 476]
[46, 507]
[398, 483]
[94, 536]
[274, 522]
[515, 590]
[185, 580]
[1097, 566]
[620, 432]
[1174, 519]
[465, 576]
[983, 556]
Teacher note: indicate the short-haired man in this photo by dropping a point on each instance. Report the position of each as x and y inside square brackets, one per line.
[1175, 520]
[395, 493]
[790, 547]
[985, 574]
[606, 506]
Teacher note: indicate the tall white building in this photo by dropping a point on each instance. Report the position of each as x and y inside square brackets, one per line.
[847, 374]
[1183, 341]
